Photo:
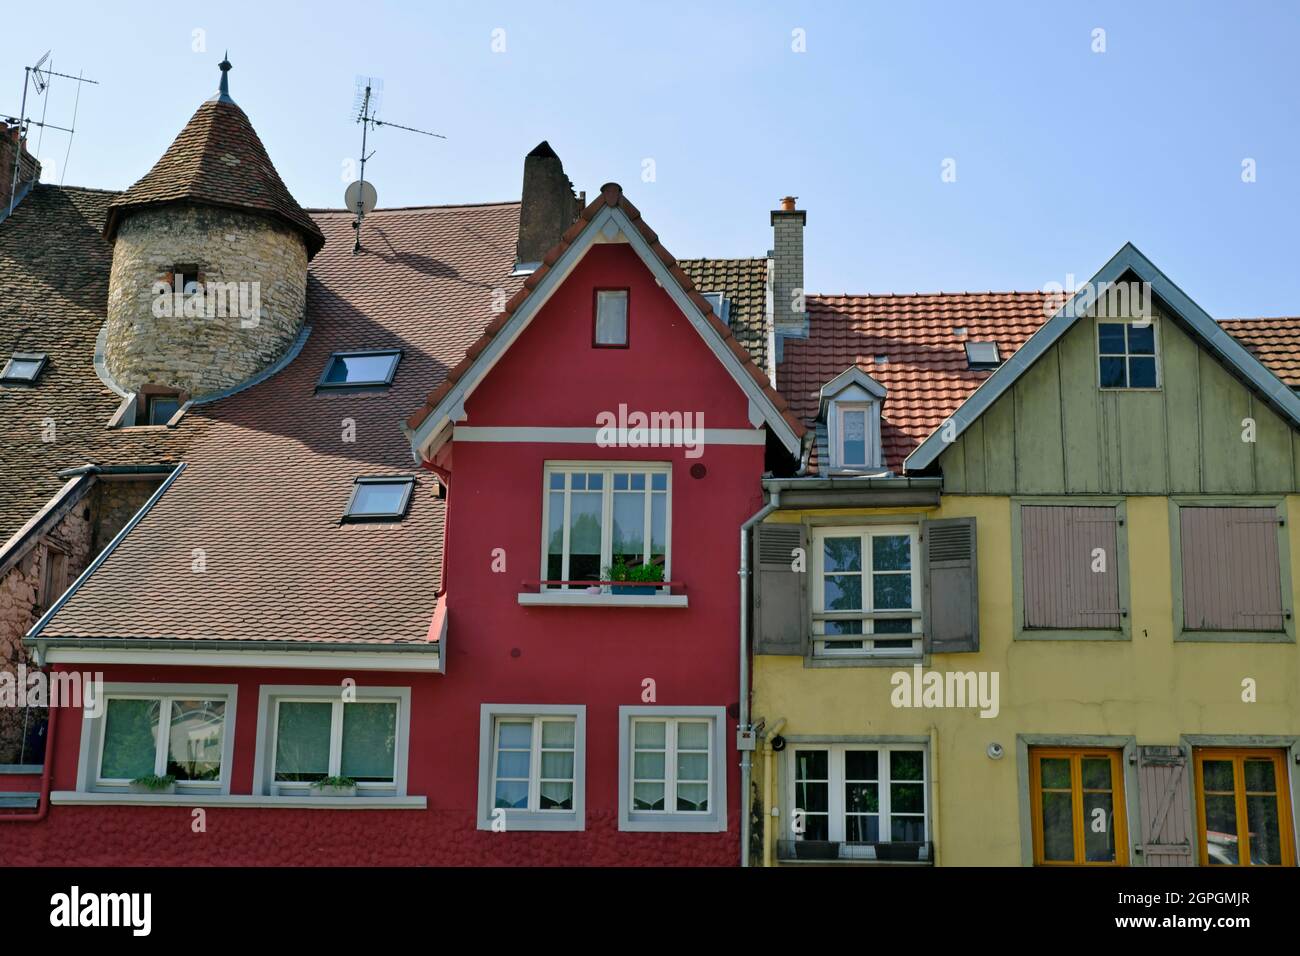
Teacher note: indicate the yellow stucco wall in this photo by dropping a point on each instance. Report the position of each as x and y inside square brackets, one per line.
[1148, 687]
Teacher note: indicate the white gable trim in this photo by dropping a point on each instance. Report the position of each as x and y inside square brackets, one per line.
[1211, 336]
[610, 224]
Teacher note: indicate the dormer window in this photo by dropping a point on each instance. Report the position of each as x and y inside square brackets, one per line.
[611, 319]
[721, 306]
[23, 368]
[850, 409]
[982, 356]
[159, 409]
[357, 370]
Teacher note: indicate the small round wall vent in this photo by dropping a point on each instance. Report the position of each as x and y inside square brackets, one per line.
[698, 470]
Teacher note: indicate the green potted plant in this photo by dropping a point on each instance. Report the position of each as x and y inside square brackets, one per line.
[334, 787]
[645, 576]
[151, 783]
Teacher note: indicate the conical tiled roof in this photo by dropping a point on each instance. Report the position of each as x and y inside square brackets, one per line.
[217, 160]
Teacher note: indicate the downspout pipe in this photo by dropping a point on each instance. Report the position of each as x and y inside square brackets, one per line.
[43, 807]
[746, 762]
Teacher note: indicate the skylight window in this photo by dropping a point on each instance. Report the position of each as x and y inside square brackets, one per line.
[983, 355]
[379, 499]
[23, 368]
[360, 369]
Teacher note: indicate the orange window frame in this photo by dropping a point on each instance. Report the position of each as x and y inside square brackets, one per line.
[1238, 756]
[1076, 755]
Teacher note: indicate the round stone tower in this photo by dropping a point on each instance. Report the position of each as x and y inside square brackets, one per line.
[209, 279]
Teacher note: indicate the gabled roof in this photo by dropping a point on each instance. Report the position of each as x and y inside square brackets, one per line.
[609, 216]
[910, 345]
[217, 160]
[269, 469]
[850, 376]
[1128, 261]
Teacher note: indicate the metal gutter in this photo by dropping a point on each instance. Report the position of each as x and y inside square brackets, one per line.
[210, 644]
[115, 470]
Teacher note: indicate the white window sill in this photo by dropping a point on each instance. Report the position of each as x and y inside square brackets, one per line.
[83, 798]
[583, 599]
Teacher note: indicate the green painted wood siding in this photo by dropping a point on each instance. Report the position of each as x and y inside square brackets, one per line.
[1056, 432]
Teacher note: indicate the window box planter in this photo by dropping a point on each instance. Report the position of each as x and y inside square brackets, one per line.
[159, 789]
[816, 850]
[635, 589]
[899, 851]
[334, 787]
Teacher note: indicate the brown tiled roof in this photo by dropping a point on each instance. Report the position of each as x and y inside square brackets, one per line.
[54, 267]
[1275, 342]
[744, 282]
[270, 469]
[611, 195]
[908, 344]
[217, 160]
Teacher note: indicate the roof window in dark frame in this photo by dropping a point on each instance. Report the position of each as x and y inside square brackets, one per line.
[23, 368]
[373, 368]
[379, 499]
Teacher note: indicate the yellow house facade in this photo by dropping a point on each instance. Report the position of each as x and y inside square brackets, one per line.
[1085, 580]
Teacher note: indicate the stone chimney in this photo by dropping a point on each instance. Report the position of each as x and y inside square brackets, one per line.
[548, 205]
[789, 315]
[29, 170]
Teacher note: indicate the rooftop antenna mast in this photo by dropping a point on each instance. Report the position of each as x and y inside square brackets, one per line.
[361, 196]
[39, 77]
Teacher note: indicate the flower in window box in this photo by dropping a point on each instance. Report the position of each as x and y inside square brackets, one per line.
[153, 784]
[622, 571]
[334, 787]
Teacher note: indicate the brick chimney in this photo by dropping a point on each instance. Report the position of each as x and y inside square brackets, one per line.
[548, 206]
[789, 316]
[29, 170]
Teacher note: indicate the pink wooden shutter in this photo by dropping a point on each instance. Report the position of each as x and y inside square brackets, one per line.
[1232, 579]
[1061, 590]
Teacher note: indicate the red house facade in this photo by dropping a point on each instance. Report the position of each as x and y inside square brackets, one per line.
[520, 646]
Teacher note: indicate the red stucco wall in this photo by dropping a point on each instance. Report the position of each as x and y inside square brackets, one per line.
[498, 651]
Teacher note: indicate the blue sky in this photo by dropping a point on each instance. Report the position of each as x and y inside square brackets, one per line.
[1061, 153]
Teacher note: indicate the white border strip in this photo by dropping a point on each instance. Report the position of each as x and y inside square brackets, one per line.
[307, 659]
[648, 437]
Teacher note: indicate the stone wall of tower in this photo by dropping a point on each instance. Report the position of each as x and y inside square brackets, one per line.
[267, 264]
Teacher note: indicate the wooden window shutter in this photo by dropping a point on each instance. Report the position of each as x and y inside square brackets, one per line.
[1166, 806]
[952, 613]
[781, 616]
[1232, 578]
[1059, 544]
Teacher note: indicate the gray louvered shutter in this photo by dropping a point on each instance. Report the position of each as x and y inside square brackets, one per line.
[1166, 806]
[952, 618]
[781, 619]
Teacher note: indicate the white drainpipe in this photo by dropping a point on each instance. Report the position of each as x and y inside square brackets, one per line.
[774, 502]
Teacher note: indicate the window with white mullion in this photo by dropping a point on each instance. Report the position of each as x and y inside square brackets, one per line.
[867, 584]
[861, 793]
[533, 764]
[178, 736]
[316, 738]
[598, 515]
[671, 761]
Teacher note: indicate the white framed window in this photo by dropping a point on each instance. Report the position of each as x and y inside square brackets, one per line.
[1127, 355]
[146, 730]
[867, 591]
[532, 767]
[864, 794]
[854, 435]
[597, 516]
[307, 734]
[672, 770]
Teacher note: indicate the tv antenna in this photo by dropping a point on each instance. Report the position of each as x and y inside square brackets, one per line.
[41, 76]
[360, 196]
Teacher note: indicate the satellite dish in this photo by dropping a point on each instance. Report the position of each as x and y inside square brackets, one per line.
[360, 192]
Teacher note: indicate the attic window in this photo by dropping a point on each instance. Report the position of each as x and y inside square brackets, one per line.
[379, 499]
[159, 409]
[1126, 355]
[360, 369]
[23, 368]
[983, 355]
[610, 329]
[721, 306]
